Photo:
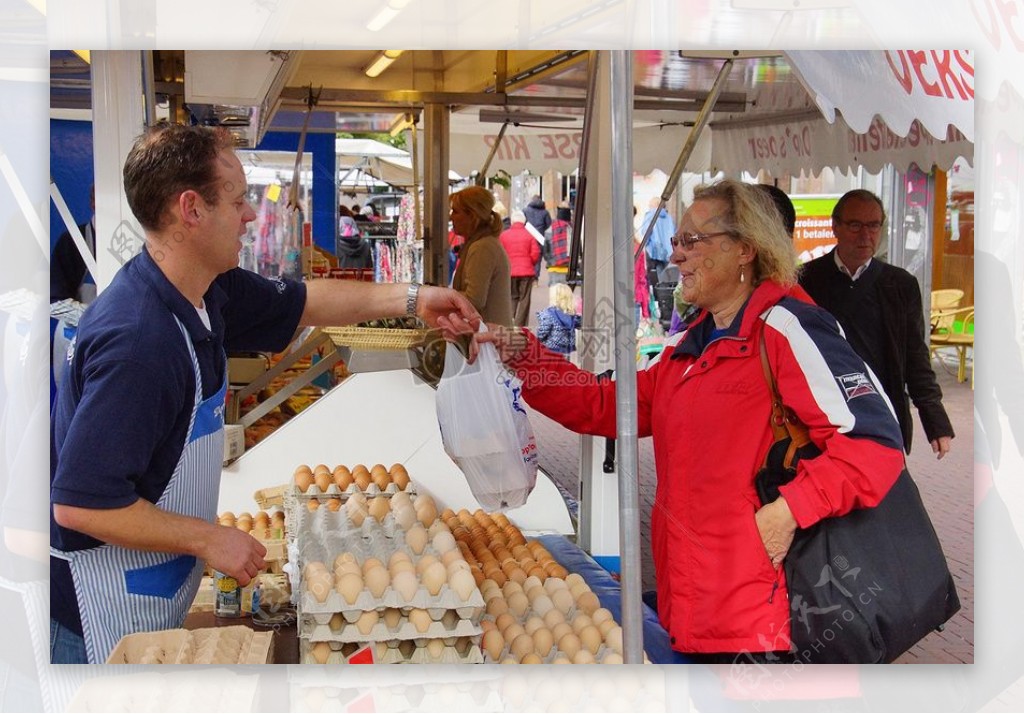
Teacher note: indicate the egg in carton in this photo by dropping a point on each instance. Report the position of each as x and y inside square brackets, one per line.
[323, 480]
[430, 651]
[334, 652]
[389, 624]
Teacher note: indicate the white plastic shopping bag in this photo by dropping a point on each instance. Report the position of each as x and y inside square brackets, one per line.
[485, 429]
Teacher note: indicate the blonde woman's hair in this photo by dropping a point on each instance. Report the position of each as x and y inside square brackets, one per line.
[479, 202]
[560, 295]
[754, 220]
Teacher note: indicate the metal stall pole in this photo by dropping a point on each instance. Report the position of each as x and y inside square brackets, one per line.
[625, 354]
[435, 181]
[684, 155]
[575, 244]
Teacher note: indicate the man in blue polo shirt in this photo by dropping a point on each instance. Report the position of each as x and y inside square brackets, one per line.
[137, 430]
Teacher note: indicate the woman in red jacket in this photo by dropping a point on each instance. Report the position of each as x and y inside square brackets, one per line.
[717, 552]
[523, 256]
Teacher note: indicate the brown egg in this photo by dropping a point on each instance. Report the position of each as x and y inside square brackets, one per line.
[312, 505]
[521, 646]
[563, 600]
[588, 602]
[581, 621]
[554, 617]
[398, 469]
[322, 480]
[333, 504]
[392, 618]
[504, 621]
[518, 604]
[427, 514]
[381, 479]
[561, 630]
[462, 583]
[337, 622]
[362, 479]
[400, 479]
[611, 657]
[497, 606]
[420, 619]
[600, 615]
[342, 477]
[405, 584]
[303, 480]
[613, 638]
[590, 638]
[366, 621]
[543, 641]
[320, 652]
[532, 624]
[321, 469]
[555, 570]
[584, 656]
[434, 577]
[606, 626]
[320, 584]
[570, 644]
[379, 508]
[349, 586]
[377, 579]
[513, 631]
[262, 519]
[493, 644]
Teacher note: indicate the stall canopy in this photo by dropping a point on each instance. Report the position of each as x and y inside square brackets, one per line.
[381, 161]
[786, 113]
[855, 108]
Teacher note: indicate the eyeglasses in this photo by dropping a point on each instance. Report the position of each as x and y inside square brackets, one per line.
[687, 240]
[858, 226]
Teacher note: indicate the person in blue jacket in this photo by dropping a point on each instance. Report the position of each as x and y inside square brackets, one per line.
[558, 322]
[659, 247]
[136, 435]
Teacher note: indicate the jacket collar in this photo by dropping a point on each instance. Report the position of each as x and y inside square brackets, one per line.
[177, 303]
[698, 335]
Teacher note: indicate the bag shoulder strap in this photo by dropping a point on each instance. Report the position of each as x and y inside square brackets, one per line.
[784, 422]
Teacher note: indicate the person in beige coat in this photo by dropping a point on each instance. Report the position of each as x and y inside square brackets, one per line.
[483, 274]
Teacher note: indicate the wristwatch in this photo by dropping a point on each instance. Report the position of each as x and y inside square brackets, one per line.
[411, 298]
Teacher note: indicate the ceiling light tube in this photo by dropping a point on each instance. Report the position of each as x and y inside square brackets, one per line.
[381, 62]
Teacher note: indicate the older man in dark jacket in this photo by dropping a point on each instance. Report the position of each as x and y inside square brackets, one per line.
[879, 307]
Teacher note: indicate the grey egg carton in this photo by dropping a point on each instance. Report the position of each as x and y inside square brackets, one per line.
[400, 652]
[443, 627]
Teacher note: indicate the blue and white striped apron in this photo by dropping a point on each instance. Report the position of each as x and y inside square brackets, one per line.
[120, 590]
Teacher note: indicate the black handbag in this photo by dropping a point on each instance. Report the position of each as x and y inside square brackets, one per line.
[863, 587]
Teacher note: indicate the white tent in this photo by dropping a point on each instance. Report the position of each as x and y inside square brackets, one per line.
[804, 111]
[855, 108]
[381, 161]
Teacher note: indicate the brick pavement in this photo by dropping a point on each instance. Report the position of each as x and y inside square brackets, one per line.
[947, 488]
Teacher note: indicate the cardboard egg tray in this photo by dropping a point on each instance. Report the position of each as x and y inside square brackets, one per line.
[236, 644]
[322, 536]
[399, 652]
[602, 651]
[316, 631]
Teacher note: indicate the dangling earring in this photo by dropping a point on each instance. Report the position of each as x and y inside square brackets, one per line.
[742, 277]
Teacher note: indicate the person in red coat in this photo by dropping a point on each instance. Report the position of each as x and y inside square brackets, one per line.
[524, 256]
[718, 553]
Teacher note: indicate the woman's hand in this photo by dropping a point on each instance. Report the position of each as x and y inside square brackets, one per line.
[509, 341]
[777, 527]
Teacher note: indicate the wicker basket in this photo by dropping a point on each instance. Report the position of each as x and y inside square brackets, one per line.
[379, 338]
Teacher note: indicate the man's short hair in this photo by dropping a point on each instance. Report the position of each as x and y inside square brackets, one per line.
[857, 194]
[167, 160]
[782, 203]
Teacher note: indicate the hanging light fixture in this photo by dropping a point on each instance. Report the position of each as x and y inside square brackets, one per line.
[388, 13]
[381, 62]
